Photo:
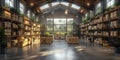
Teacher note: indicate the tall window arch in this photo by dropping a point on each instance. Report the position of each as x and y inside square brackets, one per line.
[9, 3]
[28, 13]
[98, 8]
[110, 3]
[22, 8]
[62, 25]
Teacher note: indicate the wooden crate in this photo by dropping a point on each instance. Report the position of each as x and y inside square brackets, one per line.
[49, 40]
[72, 40]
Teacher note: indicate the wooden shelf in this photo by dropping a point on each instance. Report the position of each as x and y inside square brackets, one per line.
[102, 29]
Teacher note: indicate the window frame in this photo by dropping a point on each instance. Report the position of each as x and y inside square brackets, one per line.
[28, 13]
[98, 7]
[67, 25]
[110, 3]
[22, 8]
[9, 3]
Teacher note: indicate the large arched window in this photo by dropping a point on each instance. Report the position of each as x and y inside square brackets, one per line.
[9, 3]
[59, 25]
[53, 4]
[28, 13]
[98, 8]
[110, 3]
[22, 8]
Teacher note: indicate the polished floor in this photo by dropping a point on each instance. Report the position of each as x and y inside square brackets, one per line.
[60, 50]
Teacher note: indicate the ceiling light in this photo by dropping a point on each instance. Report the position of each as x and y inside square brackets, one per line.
[37, 10]
[82, 11]
[31, 4]
[66, 11]
[88, 4]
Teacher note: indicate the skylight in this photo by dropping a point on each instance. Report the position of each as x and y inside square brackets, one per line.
[75, 6]
[44, 6]
[55, 3]
[65, 3]
[110, 3]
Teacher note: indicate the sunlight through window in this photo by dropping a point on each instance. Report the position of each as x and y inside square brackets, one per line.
[58, 3]
[59, 21]
[98, 8]
[65, 3]
[75, 6]
[9, 3]
[55, 3]
[110, 3]
[28, 13]
[44, 6]
[22, 8]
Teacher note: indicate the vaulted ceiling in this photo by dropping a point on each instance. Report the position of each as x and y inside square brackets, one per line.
[35, 4]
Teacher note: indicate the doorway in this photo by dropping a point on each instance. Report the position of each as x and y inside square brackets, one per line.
[59, 27]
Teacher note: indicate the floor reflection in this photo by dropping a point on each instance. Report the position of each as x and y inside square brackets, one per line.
[60, 50]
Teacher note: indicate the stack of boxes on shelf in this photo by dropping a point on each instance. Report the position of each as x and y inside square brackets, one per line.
[17, 28]
[25, 38]
[35, 32]
[114, 26]
[31, 33]
[104, 29]
[10, 24]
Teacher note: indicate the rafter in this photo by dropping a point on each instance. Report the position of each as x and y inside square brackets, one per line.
[82, 3]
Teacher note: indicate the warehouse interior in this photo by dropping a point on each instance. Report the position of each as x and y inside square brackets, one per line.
[59, 30]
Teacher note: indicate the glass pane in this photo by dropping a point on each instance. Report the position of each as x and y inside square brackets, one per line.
[49, 27]
[110, 3]
[28, 13]
[21, 8]
[98, 8]
[7, 3]
[11, 3]
[70, 21]
[55, 3]
[69, 27]
[50, 21]
[37, 18]
[60, 21]
[59, 27]
[44, 6]
[91, 13]
[65, 3]
[51, 32]
[75, 6]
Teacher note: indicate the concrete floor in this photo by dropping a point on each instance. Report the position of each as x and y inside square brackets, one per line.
[60, 50]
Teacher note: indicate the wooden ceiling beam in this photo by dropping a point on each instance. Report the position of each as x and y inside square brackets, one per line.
[82, 3]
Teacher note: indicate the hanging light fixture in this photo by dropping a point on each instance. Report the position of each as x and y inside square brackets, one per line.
[88, 4]
[82, 11]
[31, 4]
[66, 11]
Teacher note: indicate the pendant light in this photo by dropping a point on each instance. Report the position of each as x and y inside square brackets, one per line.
[66, 11]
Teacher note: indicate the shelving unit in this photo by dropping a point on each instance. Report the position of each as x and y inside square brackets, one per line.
[18, 29]
[10, 23]
[103, 29]
[35, 33]
[25, 38]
